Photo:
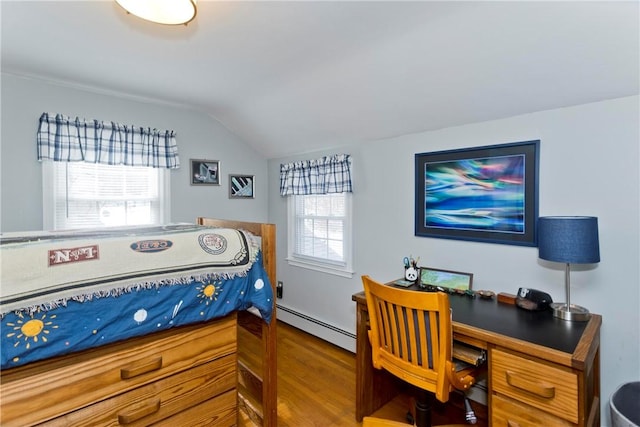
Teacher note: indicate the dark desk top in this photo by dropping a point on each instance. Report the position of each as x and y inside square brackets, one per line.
[537, 327]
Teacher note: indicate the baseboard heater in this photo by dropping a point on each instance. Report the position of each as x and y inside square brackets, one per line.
[316, 321]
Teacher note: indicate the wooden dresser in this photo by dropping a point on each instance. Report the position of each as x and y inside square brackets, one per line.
[542, 371]
[184, 376]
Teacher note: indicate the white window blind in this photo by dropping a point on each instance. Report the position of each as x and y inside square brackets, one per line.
[321, 232]
[89, 195]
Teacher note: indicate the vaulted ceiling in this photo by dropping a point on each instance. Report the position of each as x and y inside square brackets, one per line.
[291, 77]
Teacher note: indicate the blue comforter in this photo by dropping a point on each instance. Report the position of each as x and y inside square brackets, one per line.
[27, 337]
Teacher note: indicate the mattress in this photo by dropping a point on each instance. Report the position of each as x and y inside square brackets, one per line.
[65, 292]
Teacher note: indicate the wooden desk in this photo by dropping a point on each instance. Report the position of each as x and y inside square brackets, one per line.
[541, 370]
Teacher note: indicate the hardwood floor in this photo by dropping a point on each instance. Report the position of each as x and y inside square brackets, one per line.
[316, 383]
[316, 380]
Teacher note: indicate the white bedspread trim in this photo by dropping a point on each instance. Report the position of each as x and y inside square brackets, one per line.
[40, 271]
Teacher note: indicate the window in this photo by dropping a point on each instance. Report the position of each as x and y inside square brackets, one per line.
[89, 195]
[320, 232]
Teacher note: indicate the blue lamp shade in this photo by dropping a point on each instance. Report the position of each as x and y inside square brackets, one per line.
[569, 239]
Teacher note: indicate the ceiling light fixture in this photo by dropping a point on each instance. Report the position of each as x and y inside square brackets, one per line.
[170, 12]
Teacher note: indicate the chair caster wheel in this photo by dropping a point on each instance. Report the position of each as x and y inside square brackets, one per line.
[410, 419]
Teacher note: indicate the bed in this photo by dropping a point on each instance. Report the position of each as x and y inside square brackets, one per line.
[137, 326]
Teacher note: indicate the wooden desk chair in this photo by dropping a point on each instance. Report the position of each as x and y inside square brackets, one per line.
[411, 338]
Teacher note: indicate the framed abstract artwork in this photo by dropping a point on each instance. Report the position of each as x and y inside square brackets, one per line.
[205, 172]
[241, 186]
[486, 194]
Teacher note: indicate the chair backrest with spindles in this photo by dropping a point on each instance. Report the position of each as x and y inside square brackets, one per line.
[411, 335]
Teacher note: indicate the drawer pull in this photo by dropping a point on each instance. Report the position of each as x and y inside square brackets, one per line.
[147, 408]
[512, 424]
[140, 368]
[542, 390]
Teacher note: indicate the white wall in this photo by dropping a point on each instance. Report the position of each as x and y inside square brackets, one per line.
[588, 166]
[198, 136]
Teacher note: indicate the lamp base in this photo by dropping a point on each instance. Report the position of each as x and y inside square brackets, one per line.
[572, 313]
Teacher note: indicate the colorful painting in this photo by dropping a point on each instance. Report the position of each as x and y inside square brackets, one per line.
[445, 278]
[486, 194]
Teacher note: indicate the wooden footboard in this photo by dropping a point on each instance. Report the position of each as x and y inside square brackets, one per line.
[258, 390]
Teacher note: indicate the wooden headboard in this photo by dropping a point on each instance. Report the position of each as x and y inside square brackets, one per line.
[266, 389]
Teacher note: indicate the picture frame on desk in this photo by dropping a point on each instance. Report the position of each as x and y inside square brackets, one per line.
[454, 280]
[486, 194]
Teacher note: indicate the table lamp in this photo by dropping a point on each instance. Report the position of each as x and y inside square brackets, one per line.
[571, 240]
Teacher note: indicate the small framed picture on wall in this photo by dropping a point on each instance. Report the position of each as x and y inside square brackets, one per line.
[205, 172]
[241, 186]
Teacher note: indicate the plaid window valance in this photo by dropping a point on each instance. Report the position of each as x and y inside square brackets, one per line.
[330, 174]
[63, 139]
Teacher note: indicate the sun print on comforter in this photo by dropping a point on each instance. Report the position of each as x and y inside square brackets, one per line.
[97, 312]
[82, 325]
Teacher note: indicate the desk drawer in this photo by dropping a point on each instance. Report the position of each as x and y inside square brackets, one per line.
[509, 413]
[151, 403]
[542, 386]
[73, 382]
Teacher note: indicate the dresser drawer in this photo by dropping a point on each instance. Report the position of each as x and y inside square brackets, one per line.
[153, 402]
[542, 386]
[509, 413]
[220, 412]
[44, 390]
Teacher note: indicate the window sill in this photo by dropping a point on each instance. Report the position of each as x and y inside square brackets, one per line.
[323, 268]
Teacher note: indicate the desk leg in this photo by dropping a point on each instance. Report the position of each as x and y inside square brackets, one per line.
[374, 387]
